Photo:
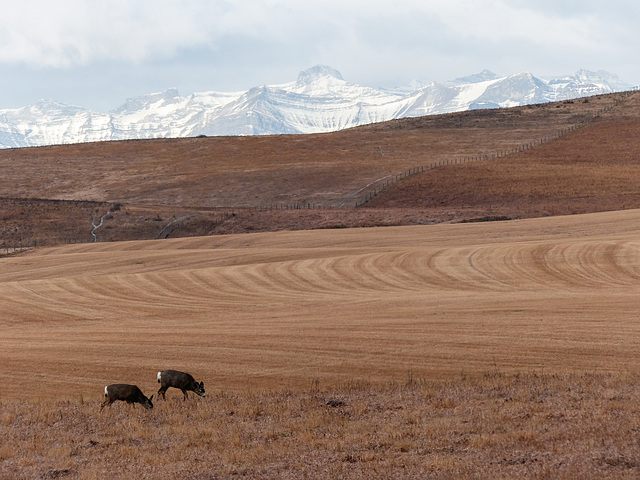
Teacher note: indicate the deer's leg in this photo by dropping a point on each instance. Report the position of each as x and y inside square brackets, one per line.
[107, 403]
[162, 391]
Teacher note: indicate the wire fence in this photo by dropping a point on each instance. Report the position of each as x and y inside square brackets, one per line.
[377, 187]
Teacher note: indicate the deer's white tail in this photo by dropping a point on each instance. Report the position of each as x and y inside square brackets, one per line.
[159, 375]
[105, 390]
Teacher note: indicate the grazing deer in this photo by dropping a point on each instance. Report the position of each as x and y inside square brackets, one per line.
[127, 393]
[181, 380]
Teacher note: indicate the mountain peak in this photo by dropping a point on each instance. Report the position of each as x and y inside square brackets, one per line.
[136, 103]
[598, 80]
[483, 76]
[54, 107]
[601, 76]
[311, 74]
[320, 101]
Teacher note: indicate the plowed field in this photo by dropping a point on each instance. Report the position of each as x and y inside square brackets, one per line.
[294, 309]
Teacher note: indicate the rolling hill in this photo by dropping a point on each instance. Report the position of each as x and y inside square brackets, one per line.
[201, 186]
[282, 309]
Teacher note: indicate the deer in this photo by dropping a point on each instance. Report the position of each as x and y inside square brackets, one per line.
[181, 380]
[127, 393]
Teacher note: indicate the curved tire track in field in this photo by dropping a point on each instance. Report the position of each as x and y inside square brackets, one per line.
[271, 309]
[537, 266]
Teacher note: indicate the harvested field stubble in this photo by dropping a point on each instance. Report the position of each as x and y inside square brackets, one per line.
[490, 427]
[280, 310]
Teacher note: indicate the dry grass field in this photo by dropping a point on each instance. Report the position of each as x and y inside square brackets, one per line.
[482, 350]
[493, 427]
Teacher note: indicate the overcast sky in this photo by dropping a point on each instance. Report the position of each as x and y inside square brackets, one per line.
[98, 53]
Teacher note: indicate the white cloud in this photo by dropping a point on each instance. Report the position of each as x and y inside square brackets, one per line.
[72, 32]
[75, 32]
[198, 45]
[497, 20]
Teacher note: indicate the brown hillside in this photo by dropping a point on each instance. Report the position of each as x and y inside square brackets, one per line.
[250, 171]
[594, 169]
[155, 182]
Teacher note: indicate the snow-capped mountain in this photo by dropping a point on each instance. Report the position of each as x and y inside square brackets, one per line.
[320, 100]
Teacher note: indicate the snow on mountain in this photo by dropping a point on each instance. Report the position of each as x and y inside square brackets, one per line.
[483, 76]
[320, 100]
[585, 83]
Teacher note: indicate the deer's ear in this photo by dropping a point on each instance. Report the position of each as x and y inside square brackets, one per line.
[202, 384]
[151, 398]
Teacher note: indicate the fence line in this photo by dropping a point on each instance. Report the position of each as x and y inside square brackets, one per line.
[368, 196]
[6, 250]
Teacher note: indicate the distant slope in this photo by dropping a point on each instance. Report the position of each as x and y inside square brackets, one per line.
[205, 186]
[596, 168]
[320, 100]
[322, 169]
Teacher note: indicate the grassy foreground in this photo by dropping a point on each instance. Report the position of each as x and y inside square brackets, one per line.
[489, 427]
